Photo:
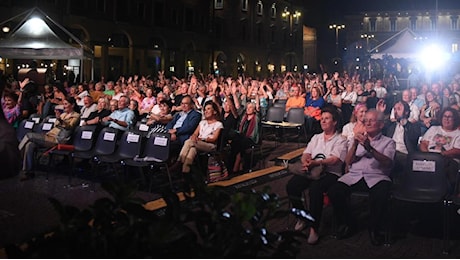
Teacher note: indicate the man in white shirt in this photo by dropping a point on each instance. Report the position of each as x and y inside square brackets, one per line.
[88, 107]
[380, 89]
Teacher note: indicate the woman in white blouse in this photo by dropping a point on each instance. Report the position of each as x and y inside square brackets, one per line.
[204, 139]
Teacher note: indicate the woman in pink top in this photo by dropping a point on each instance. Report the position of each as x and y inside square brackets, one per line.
[147, 103]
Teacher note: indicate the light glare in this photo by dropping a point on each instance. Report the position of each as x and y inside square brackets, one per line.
[433, 57]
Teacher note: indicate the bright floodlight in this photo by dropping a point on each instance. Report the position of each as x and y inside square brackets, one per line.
[36, 26]
[433, 57]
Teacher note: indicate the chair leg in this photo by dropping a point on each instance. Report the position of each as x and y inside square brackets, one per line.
[49, 166]
[252, 158]
[387, 242]
[169, 176]
[446, 226]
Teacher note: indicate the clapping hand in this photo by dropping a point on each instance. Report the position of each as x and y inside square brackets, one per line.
[381, 106]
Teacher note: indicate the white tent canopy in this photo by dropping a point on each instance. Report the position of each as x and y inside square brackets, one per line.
[402, 45]
[36, 37]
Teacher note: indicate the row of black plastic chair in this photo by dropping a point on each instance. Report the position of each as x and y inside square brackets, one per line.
[295, 119]
[34, 124]
[114, 147]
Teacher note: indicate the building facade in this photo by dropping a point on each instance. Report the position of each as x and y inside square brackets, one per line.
[367, 30]
[179, 37]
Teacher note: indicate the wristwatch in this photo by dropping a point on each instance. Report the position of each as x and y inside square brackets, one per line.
[371, 149]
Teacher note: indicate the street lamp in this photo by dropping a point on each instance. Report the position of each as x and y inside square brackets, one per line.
[286, 14]
[367, 37]
[336, 27]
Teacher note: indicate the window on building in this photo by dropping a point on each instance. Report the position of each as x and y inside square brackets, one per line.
[158, 15]
[243, 30]
[433, 23]
[218, 4]
[259, 33]
[392, 24]
[141, 10]
[453, 22]
[244, 5]
[372, 25]
[413, 23]
[174, 17]
[100, 6]
[454, 47]
[273, 11]
[260, 8]
[188, 19]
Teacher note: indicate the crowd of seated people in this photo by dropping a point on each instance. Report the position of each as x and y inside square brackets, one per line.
[425, 118]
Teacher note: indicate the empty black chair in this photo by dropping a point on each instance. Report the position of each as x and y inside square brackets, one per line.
[280, 103]
[296, 119]
[452, 200]
[274, 119]
[105, 145]
[82, 141]
[155, 153]
[425, 181]
[129, 146]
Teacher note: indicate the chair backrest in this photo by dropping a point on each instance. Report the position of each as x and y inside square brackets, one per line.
[295, 115]
[280, 103]
[425, 176]
[35, 117]
[130, 144]
[43, 127]
[106, 141]
[24, 127]
[50, 119]
[157, 146]
[142, 127]
[275, 114]
[83, 138]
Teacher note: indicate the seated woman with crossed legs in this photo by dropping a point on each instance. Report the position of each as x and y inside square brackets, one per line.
[204, 139]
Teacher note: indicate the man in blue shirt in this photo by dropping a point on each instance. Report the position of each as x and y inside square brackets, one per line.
[122, 118]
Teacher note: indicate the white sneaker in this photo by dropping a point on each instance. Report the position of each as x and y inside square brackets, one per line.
[299, 225]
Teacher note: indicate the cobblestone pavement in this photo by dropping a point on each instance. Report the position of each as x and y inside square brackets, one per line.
[25, 212]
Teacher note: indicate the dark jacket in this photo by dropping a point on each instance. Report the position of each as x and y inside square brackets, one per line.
[412, 133]
[188, 127]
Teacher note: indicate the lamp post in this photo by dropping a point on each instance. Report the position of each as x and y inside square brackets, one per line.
[367, 37]
[336, 27]
[286, 14]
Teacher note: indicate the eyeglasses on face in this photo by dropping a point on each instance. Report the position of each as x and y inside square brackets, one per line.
[371, 120]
